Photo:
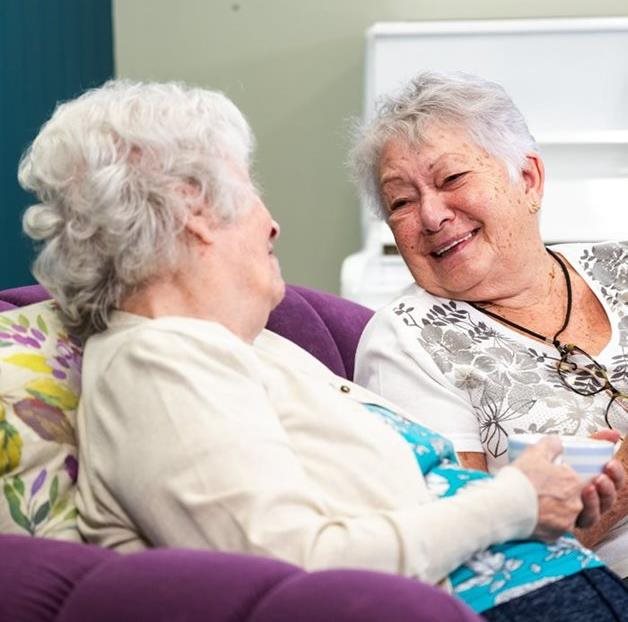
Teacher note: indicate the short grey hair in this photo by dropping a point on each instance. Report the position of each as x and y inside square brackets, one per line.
[107, 169]
[482, 108]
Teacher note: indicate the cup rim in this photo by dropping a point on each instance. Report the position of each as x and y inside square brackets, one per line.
[571, 444]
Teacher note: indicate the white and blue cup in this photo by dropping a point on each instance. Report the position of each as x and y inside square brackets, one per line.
[586, 456]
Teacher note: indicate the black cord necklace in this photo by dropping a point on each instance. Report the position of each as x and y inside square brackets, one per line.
[554, 342]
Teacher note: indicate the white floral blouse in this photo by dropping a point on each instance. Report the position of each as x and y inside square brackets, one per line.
[475, 380]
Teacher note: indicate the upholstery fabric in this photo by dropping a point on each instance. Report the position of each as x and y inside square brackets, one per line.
[22, 296]
[344, 320]
[44, 581]
[37, 575]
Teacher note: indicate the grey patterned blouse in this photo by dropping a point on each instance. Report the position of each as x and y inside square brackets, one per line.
[475, 380]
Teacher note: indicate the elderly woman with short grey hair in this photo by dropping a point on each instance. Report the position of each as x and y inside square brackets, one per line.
[499, 334]
[198, 428]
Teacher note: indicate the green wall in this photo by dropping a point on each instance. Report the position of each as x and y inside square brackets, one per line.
[50, 50]
[295, 67]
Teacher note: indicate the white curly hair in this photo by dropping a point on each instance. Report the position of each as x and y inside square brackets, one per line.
[107, 169]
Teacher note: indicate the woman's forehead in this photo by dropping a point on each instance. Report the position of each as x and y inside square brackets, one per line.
[437, 143]
[438, 136]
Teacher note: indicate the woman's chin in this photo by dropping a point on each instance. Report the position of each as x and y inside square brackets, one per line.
[458, 275]
[464, 284]
[279, 291]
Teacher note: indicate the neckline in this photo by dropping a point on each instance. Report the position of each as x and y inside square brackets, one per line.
[549, 340]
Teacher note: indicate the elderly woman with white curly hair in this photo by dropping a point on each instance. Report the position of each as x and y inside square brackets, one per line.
[499, 334]
[198, 428]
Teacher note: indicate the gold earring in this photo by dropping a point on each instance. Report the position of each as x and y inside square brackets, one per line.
[534, 207]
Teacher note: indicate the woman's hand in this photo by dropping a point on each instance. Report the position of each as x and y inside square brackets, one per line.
[558, 489]
[609, 491]
[601, 493]
[614, 436]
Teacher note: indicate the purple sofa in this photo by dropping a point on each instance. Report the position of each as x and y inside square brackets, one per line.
[45, 580]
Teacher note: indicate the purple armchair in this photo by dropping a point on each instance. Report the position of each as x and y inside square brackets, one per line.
[45, 580]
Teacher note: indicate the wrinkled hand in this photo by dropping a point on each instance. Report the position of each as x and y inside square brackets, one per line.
[558, 489]
[599, 495]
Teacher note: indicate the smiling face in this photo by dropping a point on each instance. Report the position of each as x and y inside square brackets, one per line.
[462, 226]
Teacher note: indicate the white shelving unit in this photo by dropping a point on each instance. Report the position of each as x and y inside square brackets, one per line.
[605, 137]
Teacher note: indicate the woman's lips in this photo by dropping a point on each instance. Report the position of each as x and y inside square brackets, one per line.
[453, 245]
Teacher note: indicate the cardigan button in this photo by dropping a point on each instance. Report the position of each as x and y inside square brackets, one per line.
[345, 389]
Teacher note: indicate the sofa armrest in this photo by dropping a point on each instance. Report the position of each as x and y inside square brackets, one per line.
[50, 581]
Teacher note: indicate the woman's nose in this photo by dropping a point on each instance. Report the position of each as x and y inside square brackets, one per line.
[275, 229]
[435, 213]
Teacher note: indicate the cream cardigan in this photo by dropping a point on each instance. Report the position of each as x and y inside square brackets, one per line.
[190, 437]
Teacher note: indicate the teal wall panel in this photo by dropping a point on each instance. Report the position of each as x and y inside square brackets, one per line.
[50, 50]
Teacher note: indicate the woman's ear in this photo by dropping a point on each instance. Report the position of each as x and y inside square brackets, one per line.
[533, 173]
[199, 222]
[200, 225]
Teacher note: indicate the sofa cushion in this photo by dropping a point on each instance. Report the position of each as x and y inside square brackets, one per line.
[39, 387]
[345, 320]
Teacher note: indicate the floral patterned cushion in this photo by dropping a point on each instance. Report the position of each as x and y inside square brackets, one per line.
[39, 388]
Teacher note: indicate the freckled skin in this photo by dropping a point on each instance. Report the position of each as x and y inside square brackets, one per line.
[447, 187]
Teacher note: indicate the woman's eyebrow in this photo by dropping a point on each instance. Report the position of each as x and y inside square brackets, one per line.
[390, 178]
[442, 156]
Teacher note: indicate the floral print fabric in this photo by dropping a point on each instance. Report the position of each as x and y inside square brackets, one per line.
[39, 389]
[510, 380]
[500, 572]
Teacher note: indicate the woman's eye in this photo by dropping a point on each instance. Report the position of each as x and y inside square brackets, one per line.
[450, 179]
[397, 203]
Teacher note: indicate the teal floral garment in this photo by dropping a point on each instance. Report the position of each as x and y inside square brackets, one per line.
[502, 571]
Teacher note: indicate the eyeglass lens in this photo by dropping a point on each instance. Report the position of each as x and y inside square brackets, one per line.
[617, 412]
[581, 373]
